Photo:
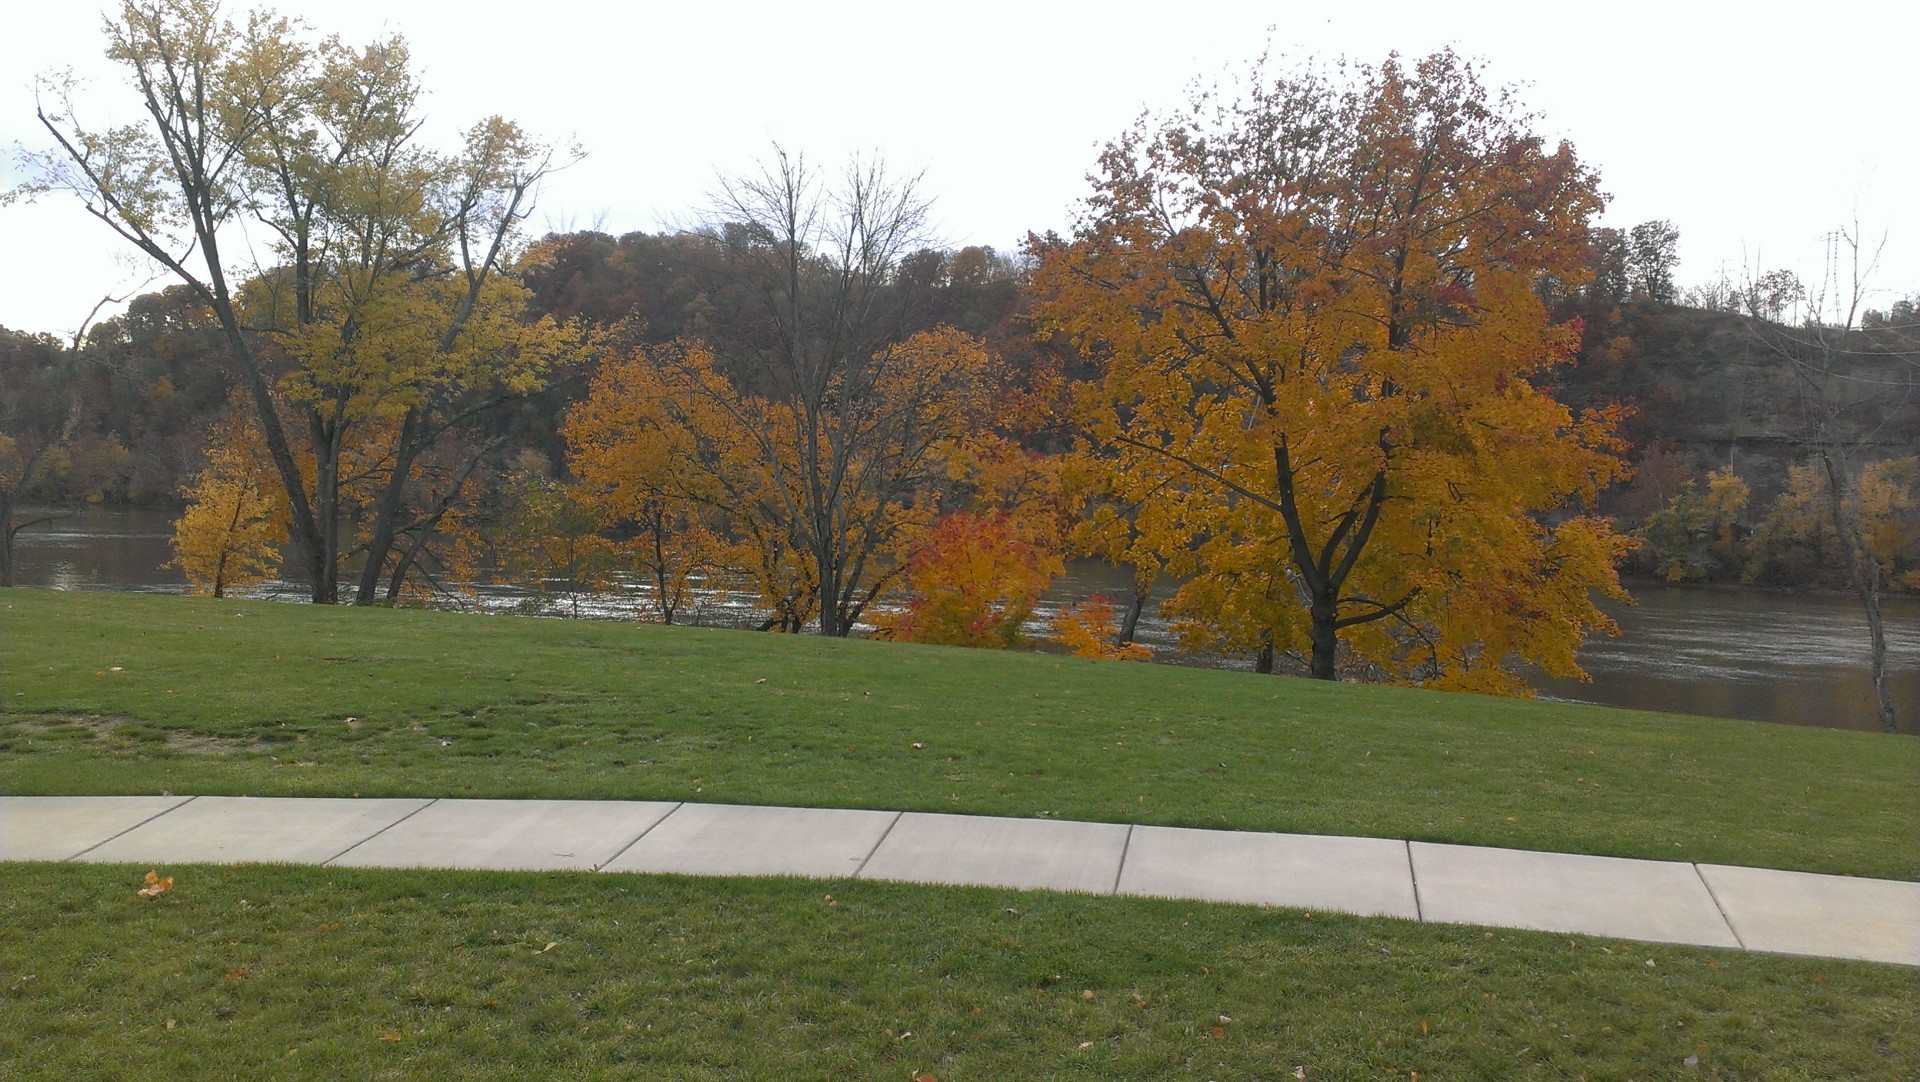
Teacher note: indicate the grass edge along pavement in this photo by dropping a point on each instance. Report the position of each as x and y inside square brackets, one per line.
[279, 971]
[110, 694]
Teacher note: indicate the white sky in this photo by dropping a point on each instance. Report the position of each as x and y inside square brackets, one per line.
[1754, 134]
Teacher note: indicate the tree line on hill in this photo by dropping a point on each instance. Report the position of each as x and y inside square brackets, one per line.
[1342, 357]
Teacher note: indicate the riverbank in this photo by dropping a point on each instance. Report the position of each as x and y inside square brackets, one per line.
[1763, 655]
[113, 693]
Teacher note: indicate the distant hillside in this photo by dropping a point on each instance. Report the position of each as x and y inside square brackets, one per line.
[1709, 391]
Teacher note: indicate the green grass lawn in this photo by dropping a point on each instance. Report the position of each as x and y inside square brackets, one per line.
[279, 972]
[263, 972]
[112, 693]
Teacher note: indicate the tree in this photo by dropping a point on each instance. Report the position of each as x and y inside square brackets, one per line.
[974, 582]
[666, 432]
[1653, 250]
[1852, 383]
[1315, 317]
[316, 142]
[1692, 537]
[234, 526]
[818, 259]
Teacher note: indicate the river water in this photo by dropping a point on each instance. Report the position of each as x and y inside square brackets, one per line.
[1763, 655]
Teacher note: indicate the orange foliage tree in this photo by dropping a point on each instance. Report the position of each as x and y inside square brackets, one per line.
[1315, 314]
[975, 581]
[760, 484]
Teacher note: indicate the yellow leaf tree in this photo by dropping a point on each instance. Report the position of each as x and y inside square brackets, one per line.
[235, 523]
[1315, 317]
[381, 254]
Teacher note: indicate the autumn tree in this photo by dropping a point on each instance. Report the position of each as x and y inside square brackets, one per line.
[973, 581]
[232, 531]
[1852, 382]
[384, 254]
[665, 431]
[1315, 313]
[1693, 537]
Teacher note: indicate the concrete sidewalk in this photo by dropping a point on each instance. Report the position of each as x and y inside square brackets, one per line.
[1658, 901]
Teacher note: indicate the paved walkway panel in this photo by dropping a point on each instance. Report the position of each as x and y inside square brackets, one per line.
[238, 829]
[1368, 876]
[62, 827]
[1658, 901]
[979, 850]
[729, 839]
[1833, 916]
[524, 835]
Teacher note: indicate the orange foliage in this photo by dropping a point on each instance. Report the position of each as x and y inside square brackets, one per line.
[1088, 630]
[1315, 316]
[974, 582]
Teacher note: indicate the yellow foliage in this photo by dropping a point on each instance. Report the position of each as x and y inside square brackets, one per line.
[1319, 338]
[1087, 629]
[235, 523]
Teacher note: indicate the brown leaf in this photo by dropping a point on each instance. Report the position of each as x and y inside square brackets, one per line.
[156, 886]
[390, 1035]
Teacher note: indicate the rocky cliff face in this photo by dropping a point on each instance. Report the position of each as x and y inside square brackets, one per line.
[1716, 389]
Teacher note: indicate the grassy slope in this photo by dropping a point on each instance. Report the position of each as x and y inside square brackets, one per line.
[328, 973]
[122, 694]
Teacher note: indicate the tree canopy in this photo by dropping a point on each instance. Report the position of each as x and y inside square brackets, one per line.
[1314, 310]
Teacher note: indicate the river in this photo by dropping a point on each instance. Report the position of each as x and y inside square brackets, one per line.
[1763, 655]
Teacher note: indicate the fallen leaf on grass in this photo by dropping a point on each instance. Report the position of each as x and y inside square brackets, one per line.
[156, 886]
[171, 1023]
[546, 948]
[390, 1035]
[1299, 1072]
[238, 973]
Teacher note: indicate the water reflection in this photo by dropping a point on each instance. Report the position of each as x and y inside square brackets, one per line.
[1725, 653]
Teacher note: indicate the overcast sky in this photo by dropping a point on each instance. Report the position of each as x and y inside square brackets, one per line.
[1755, 136]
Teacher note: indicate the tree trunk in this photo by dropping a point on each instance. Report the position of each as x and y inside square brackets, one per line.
[386, 520]
[1130, 623]
[1325, 636]
[1864, 573]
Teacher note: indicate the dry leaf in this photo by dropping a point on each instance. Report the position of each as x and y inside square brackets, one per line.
[1299, 1072]
[237, 972]
[171, 1023]
[156, 886]
[390, 1035]
[922, 1076]
[546, 948]
[1086, 1044]
[1087, 994]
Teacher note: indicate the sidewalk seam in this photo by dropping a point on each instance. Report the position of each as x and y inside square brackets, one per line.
[131, 829]
[884, 835]
[430, 803]
[677, 805]
[1727, 920]
[1125, 847]
[1413, 877]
